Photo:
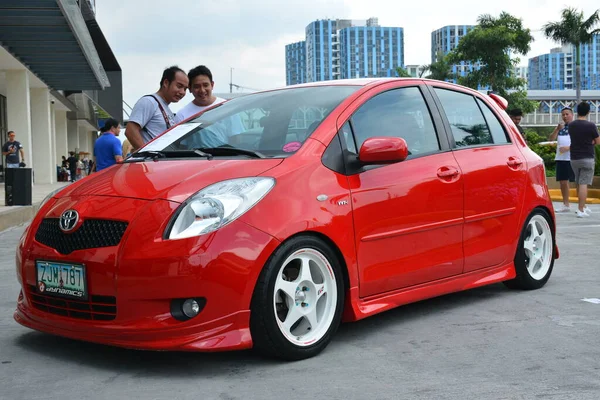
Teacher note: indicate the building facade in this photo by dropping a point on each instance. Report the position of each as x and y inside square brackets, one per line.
[552, 71]
[58, 76]
[415, 70]
[556, 70]
[370, 51]
[522, 73]
[444, 40]
[343, 48]
[295, 63]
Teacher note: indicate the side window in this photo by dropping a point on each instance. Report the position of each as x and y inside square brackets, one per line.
[466, 120]
[498, 132]
[348, 138]
[397, 113]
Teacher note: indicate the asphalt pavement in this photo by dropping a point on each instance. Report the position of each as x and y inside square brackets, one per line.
[486, 343]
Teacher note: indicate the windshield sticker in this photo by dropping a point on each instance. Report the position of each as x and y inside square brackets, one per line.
[291, 147]
[166, 139]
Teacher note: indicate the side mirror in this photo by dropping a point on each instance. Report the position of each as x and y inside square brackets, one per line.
[383, 150]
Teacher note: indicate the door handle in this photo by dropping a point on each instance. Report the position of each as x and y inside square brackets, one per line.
[447, 172]
[514, 162]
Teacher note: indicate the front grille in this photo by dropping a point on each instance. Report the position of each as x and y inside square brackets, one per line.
[97, 308]
[91, 234]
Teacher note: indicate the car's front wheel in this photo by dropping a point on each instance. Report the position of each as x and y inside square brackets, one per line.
[534, 259]
[298, 300]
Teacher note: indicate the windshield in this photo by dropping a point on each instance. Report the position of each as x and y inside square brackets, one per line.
[270, 124]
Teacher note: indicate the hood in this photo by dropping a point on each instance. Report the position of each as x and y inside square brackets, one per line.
[173, 180]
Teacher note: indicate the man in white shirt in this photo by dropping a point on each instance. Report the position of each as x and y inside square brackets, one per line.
[217, 134]
[201, 86]
[151, 115]
[564, 172]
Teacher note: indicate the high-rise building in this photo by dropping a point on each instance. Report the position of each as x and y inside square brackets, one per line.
[343, 48]
[590, 64]
[552, 71]
[522, 72]
[295, 63]
[556, 70]
[444, 40]
[370, 51]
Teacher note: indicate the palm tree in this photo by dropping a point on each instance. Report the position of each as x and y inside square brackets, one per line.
[440, 69]
[575, 30]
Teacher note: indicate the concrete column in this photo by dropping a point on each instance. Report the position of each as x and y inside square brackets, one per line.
[84, 139]
[53, 133]
[72, 135]
[62, 144]
[18, 109]
[44, 168]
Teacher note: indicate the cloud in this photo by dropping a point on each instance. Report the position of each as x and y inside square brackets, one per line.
[250, 36]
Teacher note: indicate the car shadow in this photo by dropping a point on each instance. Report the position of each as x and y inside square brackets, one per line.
[188, 364]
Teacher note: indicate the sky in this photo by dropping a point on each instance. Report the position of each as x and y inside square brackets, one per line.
[250, 35]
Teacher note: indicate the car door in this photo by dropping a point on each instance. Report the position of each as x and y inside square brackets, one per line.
[408, 216]
[494, 174]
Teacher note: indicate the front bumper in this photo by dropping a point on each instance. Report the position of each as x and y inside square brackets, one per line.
[143, 274]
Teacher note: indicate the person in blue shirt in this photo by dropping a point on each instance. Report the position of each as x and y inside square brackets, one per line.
[107, 149]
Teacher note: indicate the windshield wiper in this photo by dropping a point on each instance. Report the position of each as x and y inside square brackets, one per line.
[153, 154]
[228, 150]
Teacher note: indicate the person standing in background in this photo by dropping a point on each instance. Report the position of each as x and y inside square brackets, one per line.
[564, 172]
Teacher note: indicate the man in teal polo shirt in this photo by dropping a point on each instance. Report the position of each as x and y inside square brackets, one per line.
[107, 149]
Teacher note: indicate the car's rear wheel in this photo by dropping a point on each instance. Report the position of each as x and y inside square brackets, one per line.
[534, 259]
[298, 300]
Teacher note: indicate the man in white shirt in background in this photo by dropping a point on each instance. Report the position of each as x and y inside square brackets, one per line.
[564, 172]
[201, 87]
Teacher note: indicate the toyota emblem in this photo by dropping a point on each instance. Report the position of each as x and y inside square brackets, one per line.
[68, 220]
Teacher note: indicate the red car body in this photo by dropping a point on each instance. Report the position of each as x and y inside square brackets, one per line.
[455, 220]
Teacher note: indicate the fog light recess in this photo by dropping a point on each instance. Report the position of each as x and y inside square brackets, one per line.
[186, 309]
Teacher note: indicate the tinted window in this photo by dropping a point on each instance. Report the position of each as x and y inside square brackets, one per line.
[466, 120]
[397, 113]
[498, 132]
[274, 123]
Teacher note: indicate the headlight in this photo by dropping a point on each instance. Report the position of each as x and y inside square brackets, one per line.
[217, 205]
[49, 196]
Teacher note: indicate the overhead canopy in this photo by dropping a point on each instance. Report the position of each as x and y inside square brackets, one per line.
[52, 39]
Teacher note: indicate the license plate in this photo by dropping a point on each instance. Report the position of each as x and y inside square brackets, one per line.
[61, 279]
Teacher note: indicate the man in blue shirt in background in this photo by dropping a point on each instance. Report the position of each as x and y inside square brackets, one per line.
[107, 149]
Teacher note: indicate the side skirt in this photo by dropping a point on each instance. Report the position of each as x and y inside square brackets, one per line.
[357, 308]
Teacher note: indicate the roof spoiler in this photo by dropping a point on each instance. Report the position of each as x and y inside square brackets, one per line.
[501, 101]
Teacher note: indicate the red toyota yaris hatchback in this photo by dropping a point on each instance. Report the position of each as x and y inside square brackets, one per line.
[267, 220]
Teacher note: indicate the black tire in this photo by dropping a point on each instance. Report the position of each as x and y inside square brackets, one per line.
[524, 279]
[266, 335]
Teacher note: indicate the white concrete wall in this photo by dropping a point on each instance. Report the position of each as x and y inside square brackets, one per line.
[43, 160]
[53, 133]
[18, 109]
[62, 143]
[72, 135]
[84, 139]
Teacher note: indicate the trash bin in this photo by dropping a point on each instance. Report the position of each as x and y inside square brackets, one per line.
[17, 186]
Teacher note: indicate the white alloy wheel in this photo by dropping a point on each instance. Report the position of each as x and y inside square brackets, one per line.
[305, 297]
[537, 246]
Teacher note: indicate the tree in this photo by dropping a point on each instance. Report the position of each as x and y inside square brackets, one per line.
[403, 73]
[575, 30]
[440, 69]
[490, 45]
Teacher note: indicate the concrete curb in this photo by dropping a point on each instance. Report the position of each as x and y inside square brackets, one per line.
[17, 215]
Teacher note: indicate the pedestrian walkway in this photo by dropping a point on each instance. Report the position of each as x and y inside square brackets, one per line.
[16, 215]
